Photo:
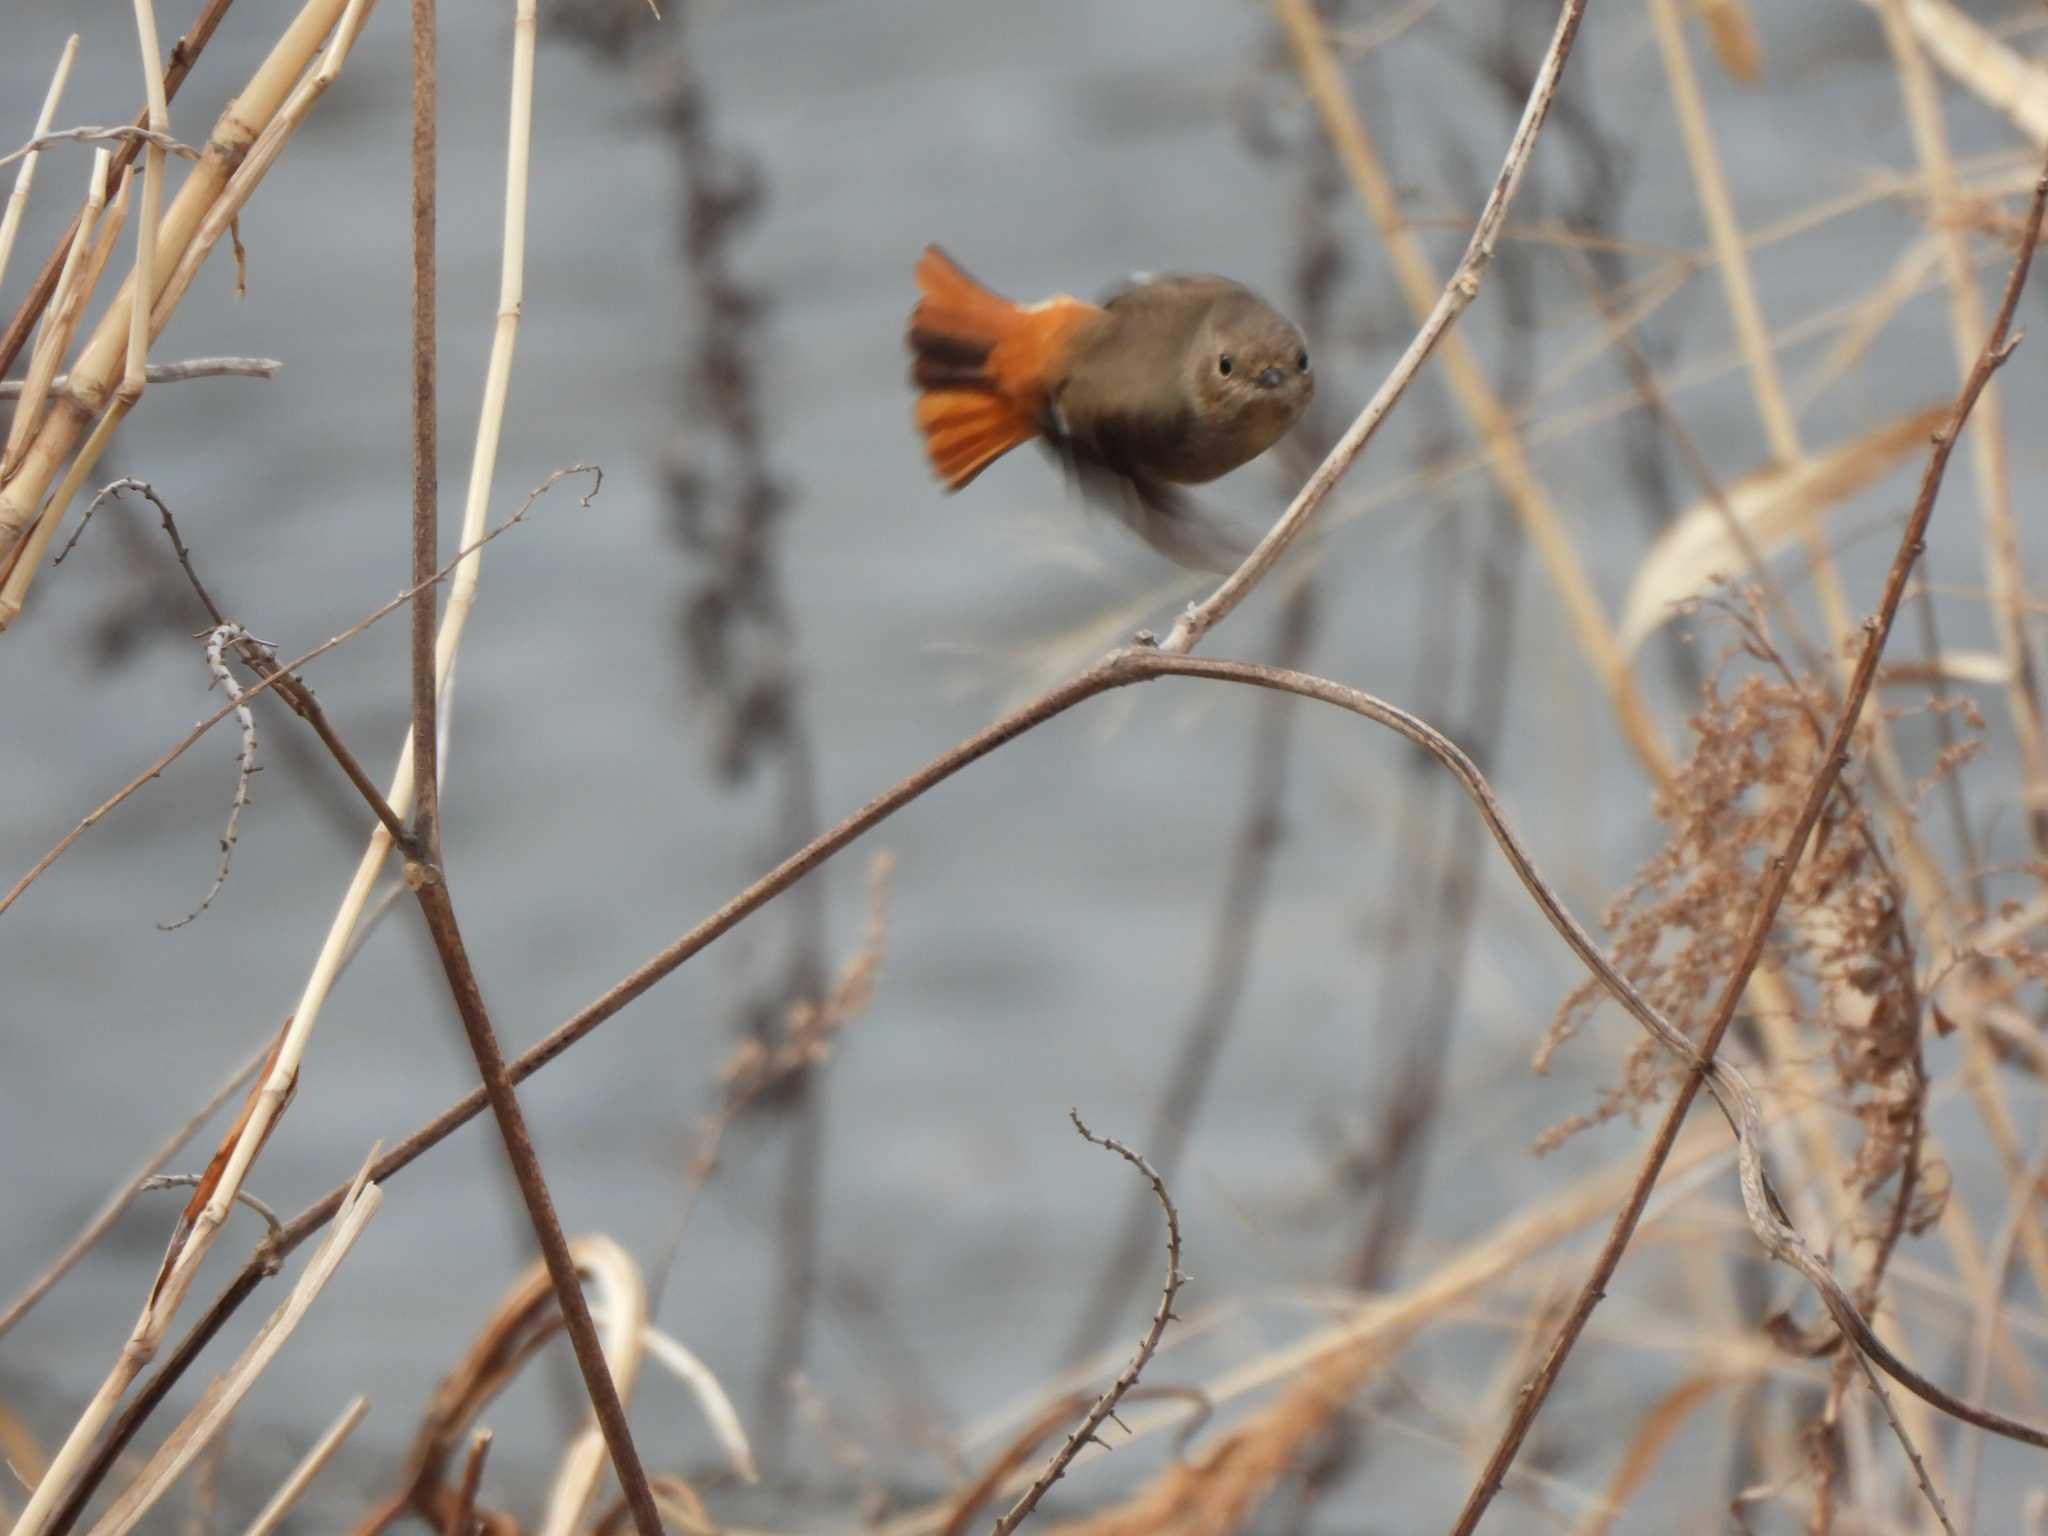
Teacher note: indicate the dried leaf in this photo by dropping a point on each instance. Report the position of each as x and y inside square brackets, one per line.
[1733, 34]
[1664, 1420]
[1773, 505]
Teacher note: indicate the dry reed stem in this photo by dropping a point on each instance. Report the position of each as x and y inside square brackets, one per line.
[2003, 568]
[284, 1073]
[1922, 870]
[1876, 630]
[193, 1242]
[1984, 1324]
[309, 1467]
[93, 376]
[184, 53]
[86, 391]
[67, 303]
[24, 179]
[125, 1195]
[220, 1400]
[1104, 1408]
[1507, 457]
[1979, 61]
[1751, 329]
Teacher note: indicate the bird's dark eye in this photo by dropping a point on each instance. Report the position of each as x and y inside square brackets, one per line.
[1223, 365]
[1301, 362]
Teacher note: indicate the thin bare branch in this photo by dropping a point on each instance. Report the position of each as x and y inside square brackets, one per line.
[176, 373]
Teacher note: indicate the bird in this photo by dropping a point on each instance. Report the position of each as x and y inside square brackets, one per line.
[1170, 381]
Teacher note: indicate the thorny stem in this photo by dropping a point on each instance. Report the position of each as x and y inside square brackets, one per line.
[1105, 1405]
[1778, 879]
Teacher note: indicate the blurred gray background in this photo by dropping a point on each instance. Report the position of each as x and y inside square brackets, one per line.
[1053, 909]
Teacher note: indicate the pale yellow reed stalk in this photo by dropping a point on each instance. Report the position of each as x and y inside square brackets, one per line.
[67, 302]
[134, 376]
[99, 366]
[214, 1408]
[17, 201]
[309, 1467]
[278, 1085]
[175, 1278]
[199, 243]
[1508, 460]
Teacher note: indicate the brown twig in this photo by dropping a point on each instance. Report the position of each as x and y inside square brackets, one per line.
[290, 669]
[432, 890]
[1105, 1405]
[184, 54]
[462, 1516]
[1778, 880]
[260, 659]
[423, 871]
[1243, 890]
[426, 526]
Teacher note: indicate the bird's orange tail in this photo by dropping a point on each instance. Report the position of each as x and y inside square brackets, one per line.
[982, 365]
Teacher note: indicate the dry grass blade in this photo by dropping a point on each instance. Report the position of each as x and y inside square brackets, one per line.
[301, 1478]
[704, 1386]
[66, 305]
[219, 1401]
[1660, 1425]
[1982, 63]
[1775, 506]
[527, 1318]
[24, 179]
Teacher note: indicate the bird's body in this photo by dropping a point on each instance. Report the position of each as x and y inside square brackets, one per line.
[1170, 381]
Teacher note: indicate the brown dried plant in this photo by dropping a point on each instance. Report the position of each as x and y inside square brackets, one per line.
[1846, 936]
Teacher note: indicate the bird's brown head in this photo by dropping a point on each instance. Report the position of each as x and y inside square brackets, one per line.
[1248, 372]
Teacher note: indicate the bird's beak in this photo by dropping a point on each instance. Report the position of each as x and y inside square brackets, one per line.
[1271, 378]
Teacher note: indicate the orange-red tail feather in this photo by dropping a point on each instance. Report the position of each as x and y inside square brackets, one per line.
[983, 366]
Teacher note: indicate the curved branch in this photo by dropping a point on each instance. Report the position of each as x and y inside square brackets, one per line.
[1457, 297]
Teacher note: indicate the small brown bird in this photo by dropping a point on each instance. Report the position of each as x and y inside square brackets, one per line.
[1169, 381]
